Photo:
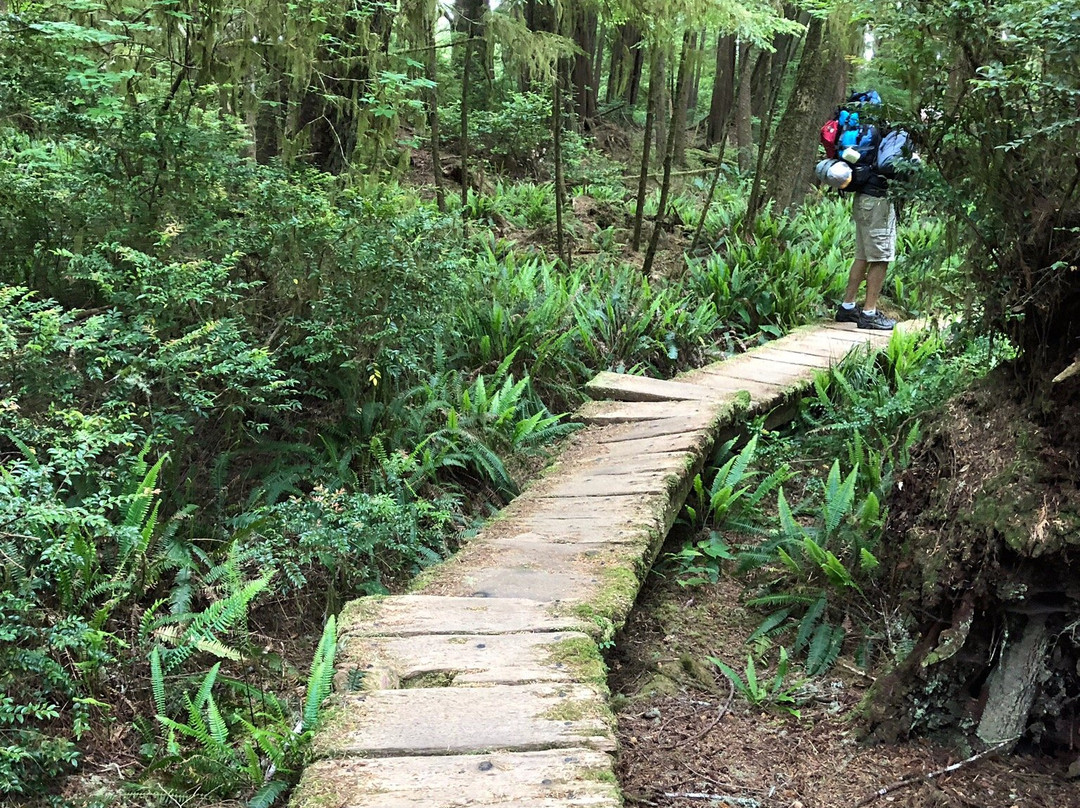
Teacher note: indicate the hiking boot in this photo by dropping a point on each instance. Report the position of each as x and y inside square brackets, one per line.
[876, 321]
[847, 315]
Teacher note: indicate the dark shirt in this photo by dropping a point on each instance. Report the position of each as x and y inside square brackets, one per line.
[870, 180]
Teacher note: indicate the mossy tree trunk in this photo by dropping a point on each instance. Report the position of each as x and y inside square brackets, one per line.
[795, 147]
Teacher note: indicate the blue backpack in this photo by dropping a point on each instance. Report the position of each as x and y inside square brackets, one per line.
[855, 133]
[895, 145]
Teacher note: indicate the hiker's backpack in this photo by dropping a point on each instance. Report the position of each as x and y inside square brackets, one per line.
[845, 130]
[895, 145]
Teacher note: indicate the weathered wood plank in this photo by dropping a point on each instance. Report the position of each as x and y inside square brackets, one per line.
[406, 615]
[465, 720]
[457, 660]
[624, 387]
[558, 778]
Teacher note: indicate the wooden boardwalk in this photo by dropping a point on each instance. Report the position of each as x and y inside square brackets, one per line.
[486, 686]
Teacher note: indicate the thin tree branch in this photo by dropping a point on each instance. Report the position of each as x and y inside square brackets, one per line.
[738, 802]
[424, 48]
[926, 778]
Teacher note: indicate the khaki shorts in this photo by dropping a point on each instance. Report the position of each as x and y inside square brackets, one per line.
[875, 228]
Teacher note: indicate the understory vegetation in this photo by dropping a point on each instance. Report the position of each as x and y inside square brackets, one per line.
[292, 298]
[799, 514]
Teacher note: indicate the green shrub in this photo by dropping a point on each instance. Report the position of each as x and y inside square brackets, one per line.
[514, 134]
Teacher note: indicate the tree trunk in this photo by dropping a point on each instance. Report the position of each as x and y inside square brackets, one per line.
[663, 108]
[1012, 685]
[744, 125]
[723, 92]
[764, 137]
[598, 61]
[681, 102]
[465, 139]
[792, 157]
[430, 73]
[330, 117]
[585, 23]
[669, 156]
[637, 51]
[695, 79]
[656, 67]
[624, 74]
[760, 87]
[470, 23]
[560, 191]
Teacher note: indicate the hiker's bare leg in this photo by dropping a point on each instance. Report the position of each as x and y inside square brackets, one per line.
[855, 279]
[875, 279]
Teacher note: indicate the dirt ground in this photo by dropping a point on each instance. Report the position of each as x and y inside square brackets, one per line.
[687, 740]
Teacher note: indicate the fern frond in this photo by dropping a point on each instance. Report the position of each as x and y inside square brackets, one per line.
[218, 730]
[769, 624]
[809, 623]
[206, 688]
[157, 681]
[839, 499]
[143, 496]
[788, 525]
[268, 794]
[321, 676]
[824, 649]
[742, 461]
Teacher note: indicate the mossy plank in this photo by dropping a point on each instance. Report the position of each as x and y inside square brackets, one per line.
[616, 412]
[624, 387]
[405, 615]
[376, 663]
[817, 361]
[560, 778]
[474, 720]
[605, 485]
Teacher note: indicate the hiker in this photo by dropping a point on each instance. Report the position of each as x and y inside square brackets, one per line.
[871, 161]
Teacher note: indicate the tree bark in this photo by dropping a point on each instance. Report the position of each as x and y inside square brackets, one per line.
[663, 107]
[669, 156]
[627, 59]
[585, 23]
[656, 59]
[695, 74]
[470, 23]
[598, 61]
[1013, 683]
[465, 139]
[744, 127]
[681, 103]
[764, 137]
[560, 191]
[430, 73]
[723, 92]
[637, 66]
[792, 157]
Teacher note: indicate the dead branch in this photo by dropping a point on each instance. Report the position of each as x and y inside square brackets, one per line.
[719, 715]
[925, 778]
[738, 802]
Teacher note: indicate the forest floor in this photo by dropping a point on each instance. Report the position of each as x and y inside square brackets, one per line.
[687, 740]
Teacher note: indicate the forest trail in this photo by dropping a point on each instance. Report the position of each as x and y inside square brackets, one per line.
[486, 686]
